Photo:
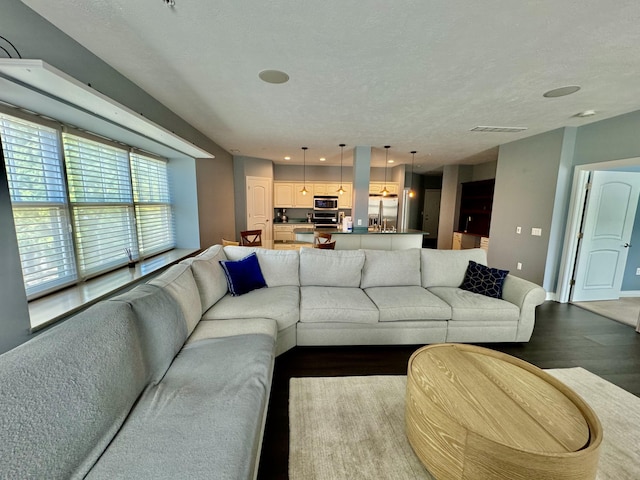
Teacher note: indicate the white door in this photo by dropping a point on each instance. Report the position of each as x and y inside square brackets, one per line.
[260, 206]
[606, 232]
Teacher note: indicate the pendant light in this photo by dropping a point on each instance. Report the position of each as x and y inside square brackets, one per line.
[304, 190]
[411, 192]
[341, 190]
[384, 191]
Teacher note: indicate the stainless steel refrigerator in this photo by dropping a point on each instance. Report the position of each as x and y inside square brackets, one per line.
[383, 209]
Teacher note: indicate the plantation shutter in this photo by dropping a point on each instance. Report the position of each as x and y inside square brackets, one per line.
[102, 204]
[33, 162]
[154, 214]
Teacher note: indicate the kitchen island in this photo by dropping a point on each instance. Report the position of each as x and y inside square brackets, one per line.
[365, 238]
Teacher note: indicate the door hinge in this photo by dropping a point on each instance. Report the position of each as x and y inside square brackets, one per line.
[572, 282]
[587, 186]
[580, 235]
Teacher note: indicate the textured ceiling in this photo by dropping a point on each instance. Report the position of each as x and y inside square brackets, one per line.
[416, 75]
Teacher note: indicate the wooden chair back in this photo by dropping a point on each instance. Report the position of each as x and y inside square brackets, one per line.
[326, 245]
[251, 238]
[320, 238]
[229, 242]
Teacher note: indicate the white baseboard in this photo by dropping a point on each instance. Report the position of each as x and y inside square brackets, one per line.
[630, 293]
[552, 296]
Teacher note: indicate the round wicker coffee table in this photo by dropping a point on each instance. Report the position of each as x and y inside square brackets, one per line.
[474, 413]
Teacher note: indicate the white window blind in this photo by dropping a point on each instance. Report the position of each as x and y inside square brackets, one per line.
[33, 162]
[154, 214]
[102, 203]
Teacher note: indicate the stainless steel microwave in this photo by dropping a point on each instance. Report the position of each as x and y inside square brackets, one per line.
[325, 202]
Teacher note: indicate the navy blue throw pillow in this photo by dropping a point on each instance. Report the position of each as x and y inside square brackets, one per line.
[484, 280]
[243, 275]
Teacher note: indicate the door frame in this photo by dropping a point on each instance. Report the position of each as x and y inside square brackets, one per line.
[574, 220]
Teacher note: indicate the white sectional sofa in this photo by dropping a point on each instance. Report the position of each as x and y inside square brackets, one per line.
[172, 379]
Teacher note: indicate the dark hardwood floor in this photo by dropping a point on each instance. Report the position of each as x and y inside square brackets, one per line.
[564, 336]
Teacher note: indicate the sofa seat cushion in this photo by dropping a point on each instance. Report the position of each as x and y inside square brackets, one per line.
[229, 328]
[473, 306]
[408, 303]
[281, 304]
[336, 304]
[204, 419]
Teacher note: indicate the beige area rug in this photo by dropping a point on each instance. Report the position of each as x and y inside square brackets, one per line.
[345, 428]
[624, 310]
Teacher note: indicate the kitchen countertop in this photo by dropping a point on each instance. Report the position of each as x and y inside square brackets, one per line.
[356, 231]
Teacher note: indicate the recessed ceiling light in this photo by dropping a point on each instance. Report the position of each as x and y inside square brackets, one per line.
[391, 161]
[273, 76]
[562, 91]
[322, 159]
[287, 158]
[234, 150]
[586, 113]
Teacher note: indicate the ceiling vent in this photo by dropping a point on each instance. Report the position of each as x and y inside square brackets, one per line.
[497, 129]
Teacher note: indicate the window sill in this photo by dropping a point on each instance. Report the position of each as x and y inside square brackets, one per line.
[51, 308]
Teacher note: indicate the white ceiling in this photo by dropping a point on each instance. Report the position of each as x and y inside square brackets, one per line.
[414, 74]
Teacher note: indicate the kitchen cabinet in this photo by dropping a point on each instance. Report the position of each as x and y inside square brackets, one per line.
[283, 195]
[321, 189]
[476, 202]
[462, 241]
[283, 232]
[303, 201]
[287, 195]
[346, 199]
[376, 187]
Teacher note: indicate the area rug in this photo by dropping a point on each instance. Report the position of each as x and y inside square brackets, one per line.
[344, 428]
[624, 310]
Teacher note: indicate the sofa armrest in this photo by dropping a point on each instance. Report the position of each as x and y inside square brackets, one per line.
[526, 296]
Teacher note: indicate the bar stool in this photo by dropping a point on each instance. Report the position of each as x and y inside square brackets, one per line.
[320, 238]
[326, 245]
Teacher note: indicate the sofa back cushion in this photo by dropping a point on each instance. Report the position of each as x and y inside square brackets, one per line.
[178, 282]
[331, 268]
[161, 326]
[279, 267]
[446, 268]
[391, 268]
[208, 275]
[66, 393]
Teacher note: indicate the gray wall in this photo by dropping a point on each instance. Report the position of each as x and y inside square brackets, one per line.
[36, 38]
[215, 199]
[315, 173]
[524, 196]
[14, 319]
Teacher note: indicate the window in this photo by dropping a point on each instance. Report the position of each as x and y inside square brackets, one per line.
[39, 203]
[101, 204]
[75, 218]
[152, 204]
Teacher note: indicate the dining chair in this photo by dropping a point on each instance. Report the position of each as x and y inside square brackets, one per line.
[326, 245]
[251, 238]
[320, 238]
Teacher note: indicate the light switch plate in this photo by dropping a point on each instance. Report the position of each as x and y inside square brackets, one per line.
[519, 266]
[518, 230]
[536, 232]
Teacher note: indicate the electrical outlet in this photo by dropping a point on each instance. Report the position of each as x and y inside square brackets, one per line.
[519, 266]
[518, 230]
[637, 271]
[359, 222]
[536, 232]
